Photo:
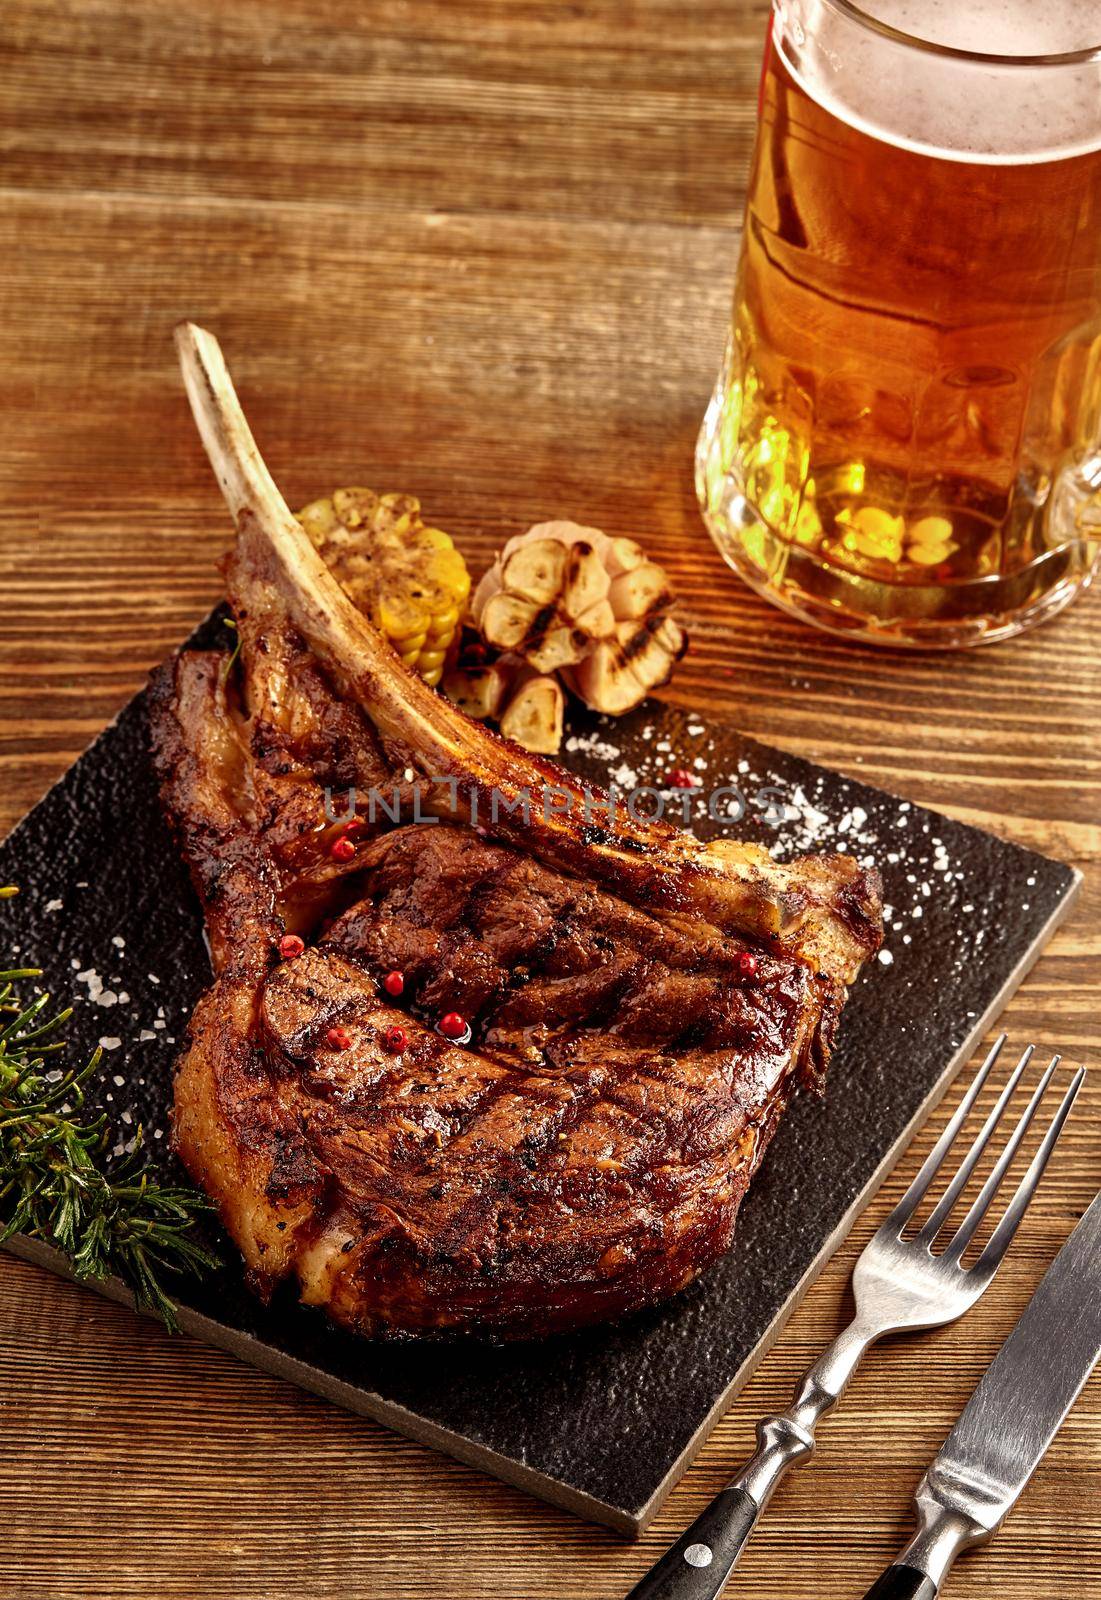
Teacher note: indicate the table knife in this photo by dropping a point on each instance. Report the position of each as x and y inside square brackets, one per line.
[1010, 1420]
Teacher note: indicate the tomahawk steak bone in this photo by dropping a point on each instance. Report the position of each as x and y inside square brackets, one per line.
[640, 1005]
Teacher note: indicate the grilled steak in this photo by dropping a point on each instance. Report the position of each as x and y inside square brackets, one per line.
[639, 1006]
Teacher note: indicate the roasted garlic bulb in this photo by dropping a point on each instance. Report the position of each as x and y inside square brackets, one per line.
[570, 598]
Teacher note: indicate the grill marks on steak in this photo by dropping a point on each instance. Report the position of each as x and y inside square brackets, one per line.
[530, 958]
[586, 1153]
[517, 1195]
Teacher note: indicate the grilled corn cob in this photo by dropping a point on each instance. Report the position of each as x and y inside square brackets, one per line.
[407, 577]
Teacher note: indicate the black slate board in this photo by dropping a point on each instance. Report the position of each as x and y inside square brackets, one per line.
[603, 1422]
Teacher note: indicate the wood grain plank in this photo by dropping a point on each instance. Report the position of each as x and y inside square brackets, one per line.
[560, 110]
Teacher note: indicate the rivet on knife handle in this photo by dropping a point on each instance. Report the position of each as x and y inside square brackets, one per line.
[698, 1565]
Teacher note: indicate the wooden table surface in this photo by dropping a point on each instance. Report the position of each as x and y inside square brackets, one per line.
[481, 250]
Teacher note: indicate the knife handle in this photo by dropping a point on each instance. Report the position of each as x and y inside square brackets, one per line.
[903, 1583]
[698, 1565]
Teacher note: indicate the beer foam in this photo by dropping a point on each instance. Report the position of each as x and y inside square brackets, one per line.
[957, 108]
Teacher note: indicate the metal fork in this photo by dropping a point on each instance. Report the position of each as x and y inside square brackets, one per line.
[898, 1284]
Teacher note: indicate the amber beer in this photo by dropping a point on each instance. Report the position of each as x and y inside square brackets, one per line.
[906, 437]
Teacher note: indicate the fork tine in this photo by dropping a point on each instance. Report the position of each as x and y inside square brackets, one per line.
[906, 1207]
[1000, 1239]
[971, 1160]
[966, 1230]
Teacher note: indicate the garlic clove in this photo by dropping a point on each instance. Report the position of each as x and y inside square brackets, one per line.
[558, 647]
[598, 622]
[535, 570]
[479, 691]
[534, 715]
[639, 592]
[585, 581]
[622, 555]
[507, 620]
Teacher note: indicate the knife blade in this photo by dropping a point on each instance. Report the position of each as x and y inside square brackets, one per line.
[1010, 1420]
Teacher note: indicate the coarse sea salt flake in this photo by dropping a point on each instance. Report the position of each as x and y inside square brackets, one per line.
[811, 814]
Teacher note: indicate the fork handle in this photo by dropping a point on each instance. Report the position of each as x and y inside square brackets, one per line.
[698, 1565]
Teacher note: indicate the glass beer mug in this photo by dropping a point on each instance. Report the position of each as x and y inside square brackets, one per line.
[905, 440]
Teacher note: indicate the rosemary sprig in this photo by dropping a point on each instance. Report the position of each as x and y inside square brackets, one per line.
[53, 1184]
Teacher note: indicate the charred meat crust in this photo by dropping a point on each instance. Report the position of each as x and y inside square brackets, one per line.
[641, 1005]
[587, 1153]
